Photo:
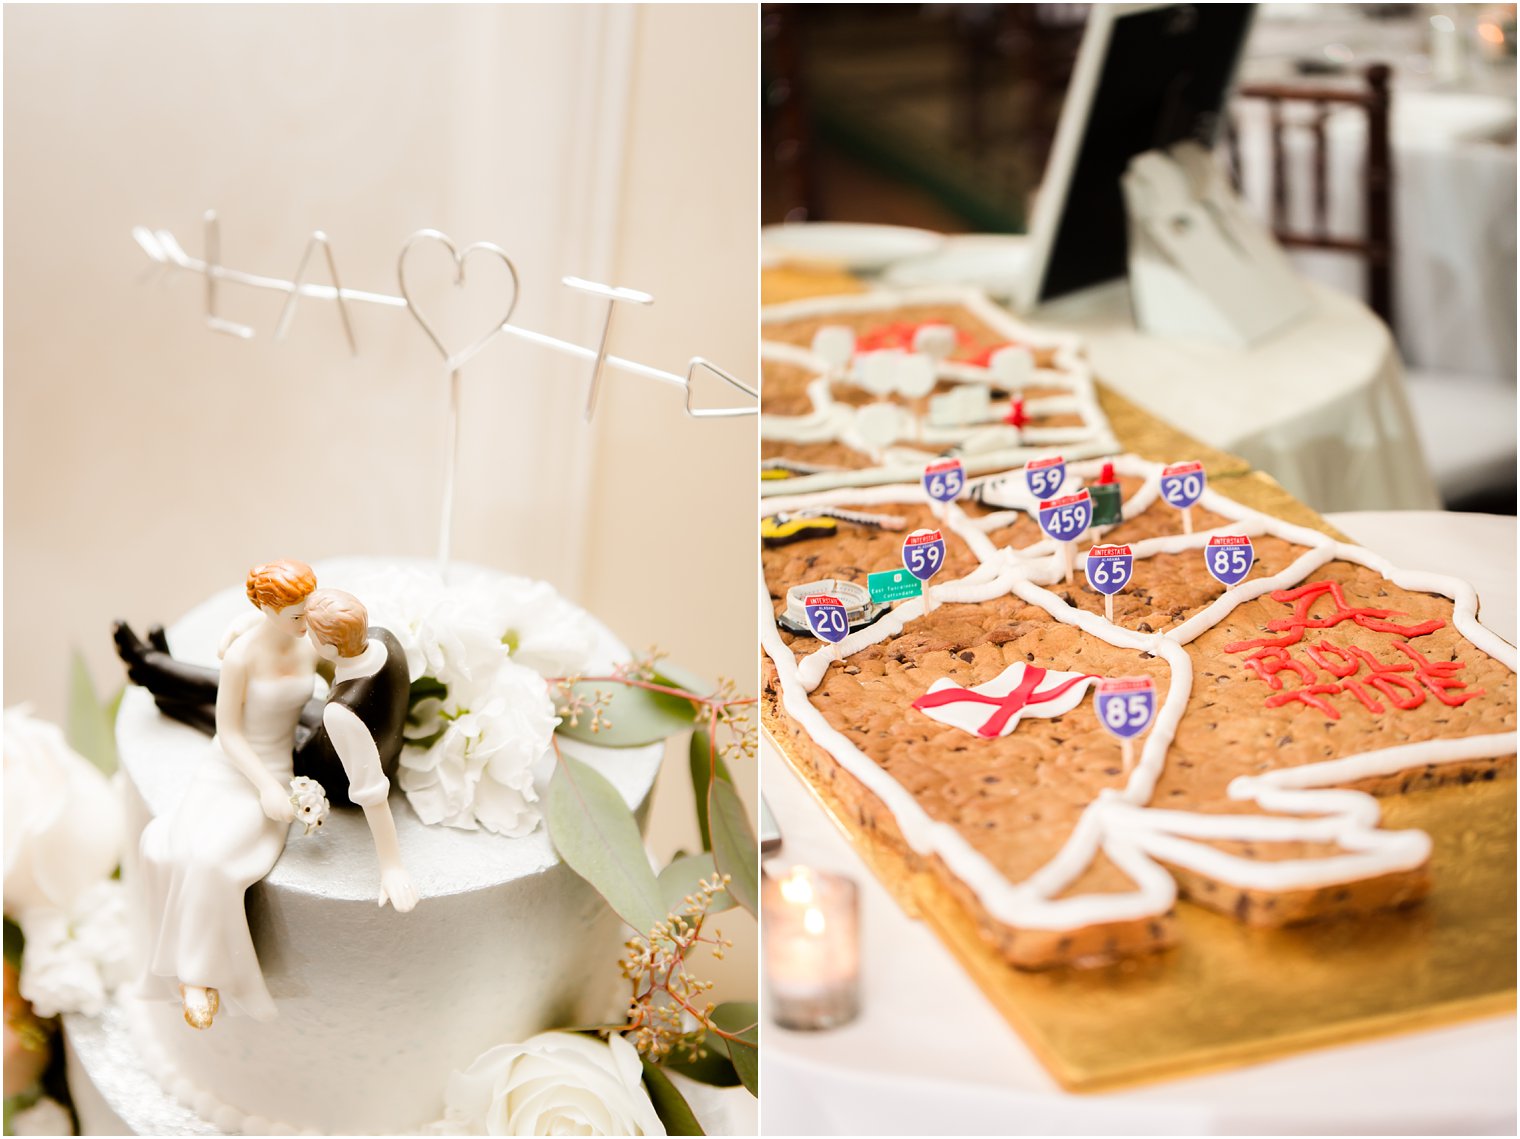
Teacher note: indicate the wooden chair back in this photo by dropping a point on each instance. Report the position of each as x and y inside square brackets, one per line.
[1375, 244]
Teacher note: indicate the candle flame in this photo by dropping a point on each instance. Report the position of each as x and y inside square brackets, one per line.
[812, 921]
[797, 886]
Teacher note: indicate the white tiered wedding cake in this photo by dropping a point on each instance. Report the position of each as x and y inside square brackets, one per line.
[375, 1008]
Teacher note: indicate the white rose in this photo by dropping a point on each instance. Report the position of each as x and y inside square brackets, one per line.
[557, 1083]
[64, 825]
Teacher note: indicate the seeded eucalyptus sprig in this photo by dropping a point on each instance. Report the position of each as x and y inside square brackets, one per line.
[641, 702]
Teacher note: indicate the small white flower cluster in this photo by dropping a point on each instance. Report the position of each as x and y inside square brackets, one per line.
[476, 748]
[74, 960]
[309, 799]
[64, 831]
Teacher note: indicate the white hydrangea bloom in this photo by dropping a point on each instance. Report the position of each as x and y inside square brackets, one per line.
[73, 960]
[475, 748]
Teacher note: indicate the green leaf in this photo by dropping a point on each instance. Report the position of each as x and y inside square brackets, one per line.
[424, 688]
[113, 709]
[635, 716]
[15, 943]
[669, 676]
[680, 879]
[669, 1104]
[714, 1068]
[735, 851]
[743, 1019]
[672, 676]
[703, 761]
[597, 836]
[89, 726]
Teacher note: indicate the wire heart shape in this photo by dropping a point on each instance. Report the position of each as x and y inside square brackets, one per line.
[455, 360]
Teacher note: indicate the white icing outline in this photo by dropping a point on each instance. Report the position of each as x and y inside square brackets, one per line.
[1309, 802]
[830, 422]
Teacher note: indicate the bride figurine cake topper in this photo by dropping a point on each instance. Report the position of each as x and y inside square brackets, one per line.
[274, 758]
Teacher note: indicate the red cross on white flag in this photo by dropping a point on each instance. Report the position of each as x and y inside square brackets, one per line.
[995, 708]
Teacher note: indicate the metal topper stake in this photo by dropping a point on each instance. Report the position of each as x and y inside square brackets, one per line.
[162, 248]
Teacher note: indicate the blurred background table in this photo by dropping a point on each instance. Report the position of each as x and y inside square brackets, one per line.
[1320, 407]
[941, 116]
[929, 1055]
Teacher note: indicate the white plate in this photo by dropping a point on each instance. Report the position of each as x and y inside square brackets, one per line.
[992, 262]
[849, 245]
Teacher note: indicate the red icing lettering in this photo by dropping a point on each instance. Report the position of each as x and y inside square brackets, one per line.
[1314, 696]
[1303, 599]
[1354, 670]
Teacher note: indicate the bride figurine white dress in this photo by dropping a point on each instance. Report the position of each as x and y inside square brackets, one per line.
[228, 831]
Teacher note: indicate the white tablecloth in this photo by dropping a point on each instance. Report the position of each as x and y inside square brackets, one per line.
[1321, 407]
[929, 1056]
[1453, 216]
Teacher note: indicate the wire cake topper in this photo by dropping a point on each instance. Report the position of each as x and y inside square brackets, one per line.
[166, 252]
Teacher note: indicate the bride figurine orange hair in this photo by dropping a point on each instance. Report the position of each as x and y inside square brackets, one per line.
[230, 827]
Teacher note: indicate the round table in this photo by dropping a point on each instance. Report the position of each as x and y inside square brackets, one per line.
[928, 1055]
[1320, 406]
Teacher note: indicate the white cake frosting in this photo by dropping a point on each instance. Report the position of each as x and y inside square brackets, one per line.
[375, 1008]
[1307, 802]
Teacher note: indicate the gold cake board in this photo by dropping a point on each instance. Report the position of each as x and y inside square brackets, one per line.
[1229, 994]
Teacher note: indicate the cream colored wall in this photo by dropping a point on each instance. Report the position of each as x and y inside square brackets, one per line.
[674, 548]
[149, 461]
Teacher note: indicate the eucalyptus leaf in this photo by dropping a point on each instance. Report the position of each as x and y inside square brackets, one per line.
[735, 851]
[669, 1104]
[89, 726]
[742, 1018]
[597, 836]
[672, 676]
[714, 1068]
[680, 878]
[669, 676]
[634, 717]
[703, 762]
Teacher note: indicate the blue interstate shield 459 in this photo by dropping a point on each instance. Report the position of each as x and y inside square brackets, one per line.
[1065, 519]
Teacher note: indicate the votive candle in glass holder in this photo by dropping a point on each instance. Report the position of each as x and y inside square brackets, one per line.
[811, 929]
